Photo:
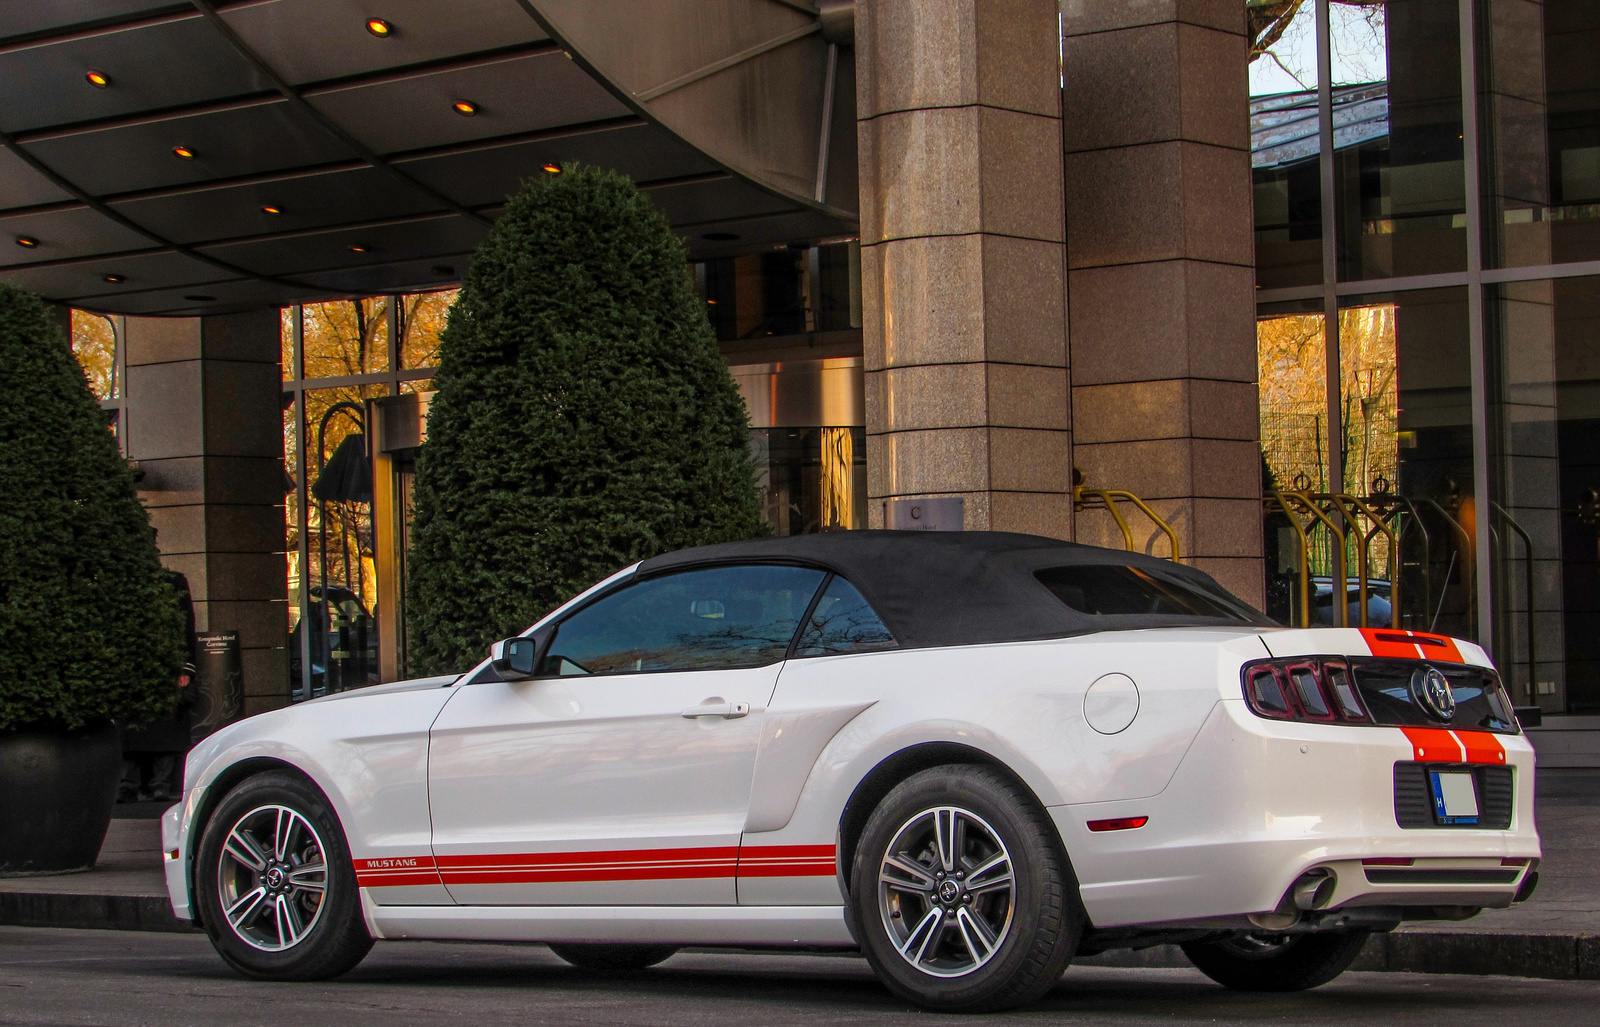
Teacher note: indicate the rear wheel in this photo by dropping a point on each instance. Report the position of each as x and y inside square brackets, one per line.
[612, 959]
[960, 893]
[275, 883]
[1276, 962]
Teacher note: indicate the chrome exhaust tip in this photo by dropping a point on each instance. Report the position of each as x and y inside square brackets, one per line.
[1314, 889]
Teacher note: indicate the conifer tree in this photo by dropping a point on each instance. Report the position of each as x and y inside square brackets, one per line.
[584, 419]
[89, 625]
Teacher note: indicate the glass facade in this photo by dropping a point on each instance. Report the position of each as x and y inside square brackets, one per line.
[357, 380]
[788, 291]
[340, 360]
[1435, 448]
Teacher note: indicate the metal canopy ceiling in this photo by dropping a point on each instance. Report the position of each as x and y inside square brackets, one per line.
[328, 161]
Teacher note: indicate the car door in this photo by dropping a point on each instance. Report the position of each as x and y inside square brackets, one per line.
[620, 775]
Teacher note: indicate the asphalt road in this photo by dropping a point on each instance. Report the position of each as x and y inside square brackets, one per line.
[123, 978]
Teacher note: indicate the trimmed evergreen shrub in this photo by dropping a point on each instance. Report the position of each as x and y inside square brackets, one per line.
[89, 626]
[584, 419]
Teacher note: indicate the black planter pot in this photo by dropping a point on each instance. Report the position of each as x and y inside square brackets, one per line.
[57, 789]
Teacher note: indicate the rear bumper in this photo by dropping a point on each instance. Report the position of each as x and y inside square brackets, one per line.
[1255, 804]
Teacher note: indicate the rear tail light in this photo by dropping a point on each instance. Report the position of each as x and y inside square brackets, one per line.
[1316, 690]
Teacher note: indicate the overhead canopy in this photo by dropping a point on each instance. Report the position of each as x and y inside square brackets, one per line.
[192, 158]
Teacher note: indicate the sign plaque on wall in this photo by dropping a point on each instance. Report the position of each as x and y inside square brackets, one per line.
[945, 513]
[219, 692]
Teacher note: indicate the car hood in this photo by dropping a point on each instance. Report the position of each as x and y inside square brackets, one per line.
[414, 685]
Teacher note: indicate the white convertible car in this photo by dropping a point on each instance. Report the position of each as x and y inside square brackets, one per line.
[970, 755]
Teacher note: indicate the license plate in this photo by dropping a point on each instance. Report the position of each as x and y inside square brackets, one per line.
[1455, 797]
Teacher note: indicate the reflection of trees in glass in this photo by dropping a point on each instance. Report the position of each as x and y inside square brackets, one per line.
[1371, 412]
[1267, 24]
[346, 337]
[1292, 364]
[95, 346]
[422, 319]
[1283, 32]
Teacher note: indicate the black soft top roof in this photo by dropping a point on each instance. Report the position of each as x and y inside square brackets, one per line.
[956, 587]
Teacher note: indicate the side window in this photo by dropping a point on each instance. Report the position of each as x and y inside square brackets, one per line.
[692, 620]
[843, 623]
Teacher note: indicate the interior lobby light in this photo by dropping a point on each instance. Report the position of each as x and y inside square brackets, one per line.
[380, 28]
[465, 108]
[183, 153]
[97, 79]
[27, 241]
[554, 169]
[113, 279]
[270, 209]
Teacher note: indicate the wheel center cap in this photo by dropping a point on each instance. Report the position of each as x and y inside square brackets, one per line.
[949, 891]
[274, 878]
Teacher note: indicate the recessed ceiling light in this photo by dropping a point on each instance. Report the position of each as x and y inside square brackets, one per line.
[27, 241]
[465, 108]
[198, 298]
[359, 247]
[712, 302]
[183, 153]
[270, 209]
[554, 169]
[113, 279]
[720, 236]
[97, 79]
[380, 28]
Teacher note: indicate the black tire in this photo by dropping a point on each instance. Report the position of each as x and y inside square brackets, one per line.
[334, 937]
[1267, 962]
[611, 959]
[1044, 917]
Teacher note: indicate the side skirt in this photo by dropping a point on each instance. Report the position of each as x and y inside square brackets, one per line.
[805, 926]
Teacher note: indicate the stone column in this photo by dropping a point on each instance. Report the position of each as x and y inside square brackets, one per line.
[962, 259]
[205, 423]
[1161, 273]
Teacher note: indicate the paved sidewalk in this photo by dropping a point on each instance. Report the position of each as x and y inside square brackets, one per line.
[1556, 934]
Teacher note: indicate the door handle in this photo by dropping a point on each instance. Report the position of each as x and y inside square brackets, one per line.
[726, 710]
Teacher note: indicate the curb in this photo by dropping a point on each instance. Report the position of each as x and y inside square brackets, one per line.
[95, 912]
[1557, 957]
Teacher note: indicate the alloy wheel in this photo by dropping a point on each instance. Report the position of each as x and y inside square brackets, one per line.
[271, 877]
[946, 891]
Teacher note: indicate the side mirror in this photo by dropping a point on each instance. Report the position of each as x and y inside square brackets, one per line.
[515, 658]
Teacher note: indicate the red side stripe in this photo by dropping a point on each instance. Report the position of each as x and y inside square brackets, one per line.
[1481, 747]
[396, 872]
[603, 858]
[786, 861]
[605, 865]
[1434, 745]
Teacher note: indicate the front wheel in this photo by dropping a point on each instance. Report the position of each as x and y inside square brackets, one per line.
[275, 883]
[1260, 961]
[960, 893]
[611, 959]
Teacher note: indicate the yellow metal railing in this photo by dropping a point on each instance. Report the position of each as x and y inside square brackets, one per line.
[1084, 498]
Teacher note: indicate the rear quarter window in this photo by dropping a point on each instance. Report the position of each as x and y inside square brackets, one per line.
[1111, 590]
